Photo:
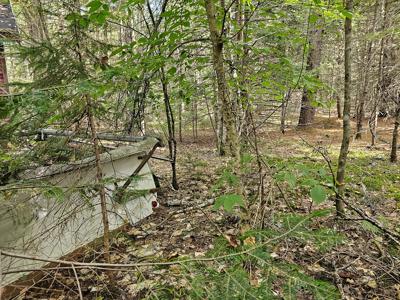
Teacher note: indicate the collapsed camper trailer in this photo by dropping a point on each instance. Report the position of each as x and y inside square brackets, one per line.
[56, 209]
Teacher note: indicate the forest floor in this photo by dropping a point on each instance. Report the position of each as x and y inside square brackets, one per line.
[362, 263]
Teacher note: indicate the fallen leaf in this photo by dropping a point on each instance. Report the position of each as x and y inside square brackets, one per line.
[245, 228]
[316, 268]
[231, 240]
[134, 289]
[250, 241]
[177, 232]
[173, 255]
[274, 255]
[255, 282]
[372, 284]
[175, 269]
[397, 287]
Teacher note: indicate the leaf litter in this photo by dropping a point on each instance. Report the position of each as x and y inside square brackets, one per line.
[362, 267]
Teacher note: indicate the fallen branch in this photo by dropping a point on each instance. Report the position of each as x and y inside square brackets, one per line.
[147, 264]
[187, 209]
[392, 235]
[77, 282]
[120, 191]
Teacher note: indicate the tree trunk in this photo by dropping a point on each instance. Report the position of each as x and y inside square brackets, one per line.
[219, 120]
[285, 104]
[223, 95]
[338, 107]
[393, 154]
[180, 111]
[346, 113]
[194, 120]
[171, 129]
[381, 86]
[100, 185]
[307, 111]
[96, 148]
[210, 115]
[242, 19]
[364, 93]
[373, 124]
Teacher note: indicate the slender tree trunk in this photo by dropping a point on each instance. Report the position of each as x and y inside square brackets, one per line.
[337, 95]
[307, 111]
[285, 104]
[373, 124]
[381, 86]
[338, 107]
[242, 19]
[223, 95]
[180, 111]
[219, 120]
[364, 93]
[346, 113]
[194, 120]
[210, 115]
[171, 129]
[393, 154]
[43, 28]
[100, 185]
[33, 13]
[96, 148]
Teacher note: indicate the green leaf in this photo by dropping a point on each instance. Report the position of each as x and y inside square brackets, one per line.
[290, 179]
[318, 194]
[322, 172]
[94, 5]
[229, 201]
[314, 19]
[321, 213]
[55, 192]
[370, 227]
[345, 13]
[172, 71]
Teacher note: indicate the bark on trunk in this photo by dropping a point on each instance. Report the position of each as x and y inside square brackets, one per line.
[364, 93]
[100, 185]
[218, 63]
[180, 111]
[346, 113]
[307, 110]
[242, 19]
[194, 120]
[219, 121]
[393, 154]
[381, 86]
[171, 129]
[338, 106]
[373, 124]
[285, 104]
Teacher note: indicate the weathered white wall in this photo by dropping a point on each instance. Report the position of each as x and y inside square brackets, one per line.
[51, 228]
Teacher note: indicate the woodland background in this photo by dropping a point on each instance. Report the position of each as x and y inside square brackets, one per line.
[277, 111]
